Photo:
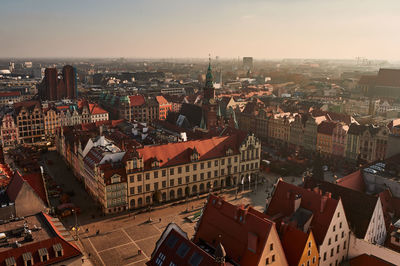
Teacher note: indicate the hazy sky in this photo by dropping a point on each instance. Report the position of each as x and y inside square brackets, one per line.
[188, 28]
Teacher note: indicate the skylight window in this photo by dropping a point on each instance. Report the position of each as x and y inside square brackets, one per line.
[182, 250]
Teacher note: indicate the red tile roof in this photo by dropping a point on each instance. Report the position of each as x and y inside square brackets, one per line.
[161, 100]
[178, 153]
[326, 127]
[322, 207]
[354, 181]
[365, 259]
[170, 246]
[10, 93]
[294, 242]
[136, 100]
[94, 109]
[235, 227]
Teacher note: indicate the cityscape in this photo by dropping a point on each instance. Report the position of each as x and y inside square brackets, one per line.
[145, 133]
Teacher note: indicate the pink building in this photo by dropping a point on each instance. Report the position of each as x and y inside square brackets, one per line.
[9, 130]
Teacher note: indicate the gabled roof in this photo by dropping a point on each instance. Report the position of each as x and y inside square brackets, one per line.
[34, 180]
[178, 153]
[136, 100]
[358, 206]
[326, 127]
[242, 232]
[95, 109]
[353, 181]
[323, 207]
[178, 249]
[294, 241]
[365, 259]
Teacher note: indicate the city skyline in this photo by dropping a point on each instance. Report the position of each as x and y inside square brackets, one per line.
[177, 29]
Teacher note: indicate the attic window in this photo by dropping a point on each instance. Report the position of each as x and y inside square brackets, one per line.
[229, 151]
[44, 254]
[182, 250]
[27, 257]
[10, 261]
[58, 249]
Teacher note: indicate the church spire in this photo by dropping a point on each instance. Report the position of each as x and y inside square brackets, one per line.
[209, 77]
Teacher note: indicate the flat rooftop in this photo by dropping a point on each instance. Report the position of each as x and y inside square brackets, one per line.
[17, 230]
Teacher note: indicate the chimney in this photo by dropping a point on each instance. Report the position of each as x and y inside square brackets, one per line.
[324, 198]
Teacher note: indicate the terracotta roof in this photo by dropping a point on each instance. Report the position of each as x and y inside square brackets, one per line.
[235, 227]
[358, 206]
[326, 127]
[178, 153]
[354, 181]
[365, 259]
[95, 109]
[10, 93]
[136, 100]
[323, 207]
[294, 242]
[161, 100]
[179, 250]
[388, 78]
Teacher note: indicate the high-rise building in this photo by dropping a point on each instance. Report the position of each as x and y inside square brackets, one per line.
[248, 63]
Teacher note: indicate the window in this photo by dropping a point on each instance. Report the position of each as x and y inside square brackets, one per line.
[329, 241]
[179, 181]
[187, 179]
[209, 164]
[155, 185]
[271, 247]
[194, 178]
[334, 228]
[309, 244]
[336, 238]
[344, 245]
[216, 163]
[338, 249]
[160, 259]
[324, 256]
[164, 173]
[187, 168]
[195, 259]
[164, 184]
[332, 252]
[309, 253]
[148, 187]
[222, 171]
[155, 174]
[202, 166]
[171, 241]
[147, 176]
[313, 259]
[171, 183]
[132, 190]
[273, 258]
[236, 159]
[215, 173]
[222, 161]
[171, 171]
[132, 179]
[182, 250]
[179, 170]
[194, 167]
[338, 214]
[340, 225]
[139, 177]
[343, 234]
[267, 261]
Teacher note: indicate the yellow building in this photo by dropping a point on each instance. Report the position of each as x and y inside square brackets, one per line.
[51, 121]
[177, 170]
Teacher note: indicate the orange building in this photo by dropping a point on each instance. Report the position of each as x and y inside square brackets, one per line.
[300, 247]
[164, 107]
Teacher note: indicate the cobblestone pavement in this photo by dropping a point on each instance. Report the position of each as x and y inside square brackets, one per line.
[121, 236]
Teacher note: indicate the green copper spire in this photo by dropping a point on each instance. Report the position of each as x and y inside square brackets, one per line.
[209, 77]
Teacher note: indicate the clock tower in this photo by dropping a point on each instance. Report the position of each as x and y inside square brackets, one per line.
[209, 104]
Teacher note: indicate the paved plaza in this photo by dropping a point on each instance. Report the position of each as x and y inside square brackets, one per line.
[120, 236]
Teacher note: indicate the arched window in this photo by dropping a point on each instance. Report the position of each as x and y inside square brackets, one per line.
[172, 195]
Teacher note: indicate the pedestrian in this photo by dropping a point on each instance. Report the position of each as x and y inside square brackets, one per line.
[159, 220]
[89, 255]
[139, 252]
[134, 217]
[87, 230]
[83, 260]
[97, 232]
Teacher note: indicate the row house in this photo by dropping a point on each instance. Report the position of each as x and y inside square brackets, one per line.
[311, 132]
[279, 128]
[353, 141]
[307, 210]
[9, 130]
[52, 121]
[325, 137]
[136, 107]
[30, 121]
[91, 112]
[339, 139]
[296, 136]
[104, 174]
[177, 170]
[373, 143]
[69, 115]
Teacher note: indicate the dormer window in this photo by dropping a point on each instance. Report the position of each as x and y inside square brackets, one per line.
[44, 254]
[155, 164]
[229, 151]
[27, 257]
[195, 155]
[58, 250]
[11, 261]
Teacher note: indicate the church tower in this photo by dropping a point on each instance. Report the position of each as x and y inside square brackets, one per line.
[209, 104]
